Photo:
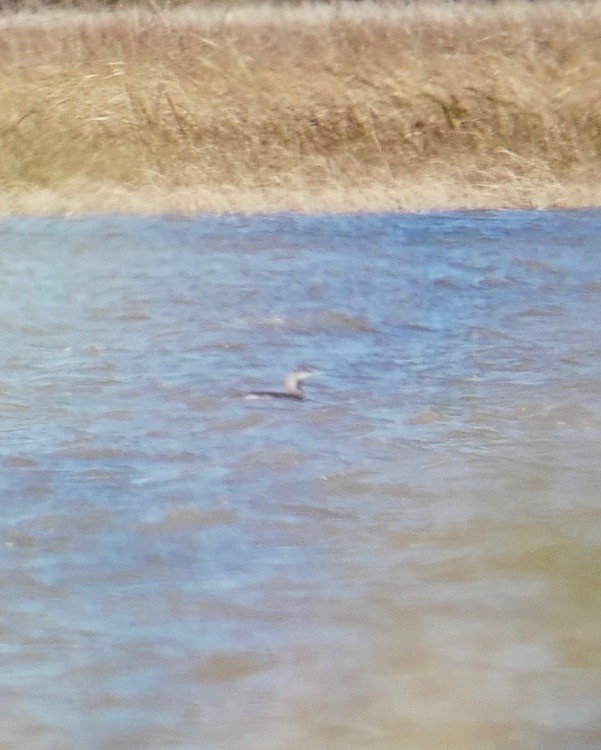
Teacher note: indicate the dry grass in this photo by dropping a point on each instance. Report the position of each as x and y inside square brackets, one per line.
[352, 106]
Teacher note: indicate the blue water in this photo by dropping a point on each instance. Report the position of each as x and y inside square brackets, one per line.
[407, 559]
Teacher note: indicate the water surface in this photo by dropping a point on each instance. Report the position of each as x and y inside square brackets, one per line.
[409, 559]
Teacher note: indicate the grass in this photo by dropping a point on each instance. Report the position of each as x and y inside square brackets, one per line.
[357, 106]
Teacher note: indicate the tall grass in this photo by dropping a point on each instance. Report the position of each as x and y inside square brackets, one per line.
[342, 106]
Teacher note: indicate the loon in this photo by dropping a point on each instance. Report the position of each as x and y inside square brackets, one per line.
[293, 385]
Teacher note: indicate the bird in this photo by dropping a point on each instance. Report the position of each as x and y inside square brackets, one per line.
[293, 386]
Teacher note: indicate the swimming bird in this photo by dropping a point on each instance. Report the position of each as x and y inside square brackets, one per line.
[293, 386]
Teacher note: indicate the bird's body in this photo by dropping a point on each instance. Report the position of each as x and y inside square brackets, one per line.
[293, 386]
[275, 394]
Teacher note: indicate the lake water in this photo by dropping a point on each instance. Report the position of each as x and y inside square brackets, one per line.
[410, 559]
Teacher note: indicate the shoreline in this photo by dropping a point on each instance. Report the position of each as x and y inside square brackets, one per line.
[422, 198]
[262, 108]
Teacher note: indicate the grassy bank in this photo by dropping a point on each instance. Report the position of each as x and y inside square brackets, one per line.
[352, 106]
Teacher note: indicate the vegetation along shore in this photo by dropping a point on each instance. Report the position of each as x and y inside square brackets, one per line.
[348, 106]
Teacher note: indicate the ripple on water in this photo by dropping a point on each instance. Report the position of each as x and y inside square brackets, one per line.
[321, 321]
[228, 666]
[430, 416]
[571, 415]
[190, 518]
[20, 462]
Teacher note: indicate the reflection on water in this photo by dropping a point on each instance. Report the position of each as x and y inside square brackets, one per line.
[409, 559]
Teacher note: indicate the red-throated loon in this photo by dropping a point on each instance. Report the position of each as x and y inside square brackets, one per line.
[293, 386]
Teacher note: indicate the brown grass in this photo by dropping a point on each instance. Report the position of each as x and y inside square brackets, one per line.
[348, 106]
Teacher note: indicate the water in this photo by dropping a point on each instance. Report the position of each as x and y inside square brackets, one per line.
[409, 559]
